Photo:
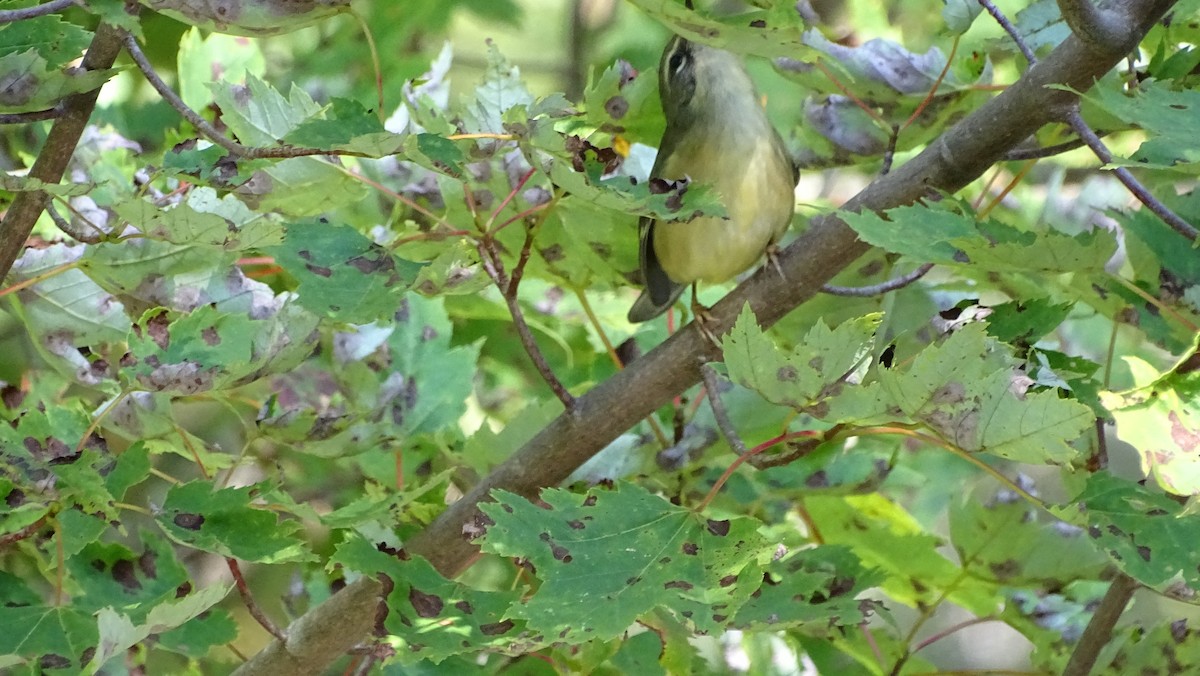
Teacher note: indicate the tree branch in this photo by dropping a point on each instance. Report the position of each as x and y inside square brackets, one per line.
[881, 288]
[32, 116]
[1101, 29]
[1099, 629]
[56, 154]
[10, 15]
[204, 127]
[951, 162]
[1156, 207]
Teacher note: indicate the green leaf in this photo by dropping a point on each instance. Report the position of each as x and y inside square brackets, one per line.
[1144, 532]
[434, 618]
[201, 57]
[941, 236]
[609, 556]
[58, 42]
[818, 585]
[965, 389]
[434, 378]
[1167, 115]
[257, 114]
[918, 231]
[187, 353]
[204, 219]
[1161, 419]
[1026, 322]
[884, 536]
[770, 33]
[343, 275]
[120, 632]
[1001, 537]
[111, 575]
[348, 126]
[32, 83]
[225, 522]
[48, 637]
[805, 376]
[67, 304]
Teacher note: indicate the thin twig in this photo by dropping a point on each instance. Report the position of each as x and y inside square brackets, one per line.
[952, 630]
[10, 15]
[881, 288]
[709, 374]
[1018, 154]
[18, 535]
[518, 273]
[889, 155]
[1134, 186]
[936, 84]
[32, 116]
[1010, 29]
[207, 129]
[1099, 629]
[251, 605]
[1098, 26]
[490, 258]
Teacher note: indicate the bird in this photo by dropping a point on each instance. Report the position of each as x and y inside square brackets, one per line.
[718, 135]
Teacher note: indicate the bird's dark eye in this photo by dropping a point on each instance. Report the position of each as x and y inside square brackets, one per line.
[677, 60]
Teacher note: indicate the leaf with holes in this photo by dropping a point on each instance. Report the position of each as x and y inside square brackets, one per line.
[609, 556]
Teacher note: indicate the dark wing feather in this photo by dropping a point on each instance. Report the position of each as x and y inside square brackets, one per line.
[660, 292]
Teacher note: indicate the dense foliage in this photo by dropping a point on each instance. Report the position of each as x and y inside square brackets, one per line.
[257, 338]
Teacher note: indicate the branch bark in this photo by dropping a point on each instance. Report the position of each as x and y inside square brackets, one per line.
[954, 160]
[56, 154]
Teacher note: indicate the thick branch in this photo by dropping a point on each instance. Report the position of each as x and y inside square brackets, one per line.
[960, 156]
[1102, 29]
[56, 154]
[322, 634]
[1099, 629]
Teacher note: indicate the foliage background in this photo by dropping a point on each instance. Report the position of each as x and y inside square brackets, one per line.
[285, 367]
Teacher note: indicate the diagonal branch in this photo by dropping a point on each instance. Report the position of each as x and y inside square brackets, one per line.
[56, 154]
[951, 162]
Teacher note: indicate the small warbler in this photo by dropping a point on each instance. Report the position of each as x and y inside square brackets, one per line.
[717, 135]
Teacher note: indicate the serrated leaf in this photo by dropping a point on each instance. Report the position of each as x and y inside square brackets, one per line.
[47, 636]
[348, 126]
[343, 275]
[1167, 115]
[1142, 531]
[225, 522]
[204, 219]
[965, 389]
[820, 585]
[435, 618]
[941, 236]
[112, 575]
[803, 377]
[257, 114]
[609, 556]
[28, 82]
[119, 632]
[67, 304]
[200, 57]
[195, 352]
[1001, 537]
[1161, 419]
